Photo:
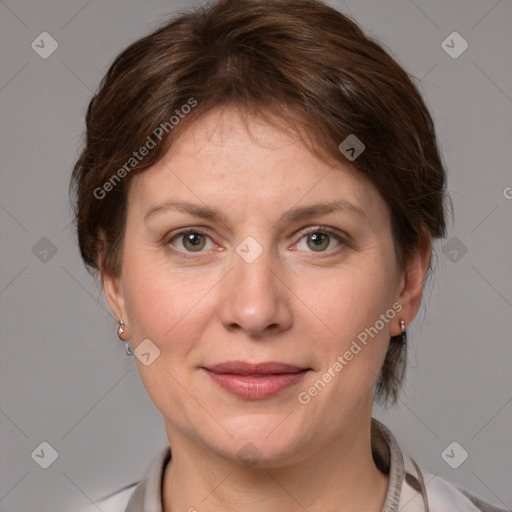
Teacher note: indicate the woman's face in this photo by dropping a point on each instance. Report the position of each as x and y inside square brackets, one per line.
[249, 286]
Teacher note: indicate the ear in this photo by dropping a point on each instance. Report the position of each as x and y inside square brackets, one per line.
[411, 284]
[112, 285]
[113, 288]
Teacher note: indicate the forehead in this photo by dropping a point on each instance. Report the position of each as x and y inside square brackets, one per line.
[224, 163]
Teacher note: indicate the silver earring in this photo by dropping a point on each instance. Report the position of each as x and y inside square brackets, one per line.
[127, 343]
[402, 336]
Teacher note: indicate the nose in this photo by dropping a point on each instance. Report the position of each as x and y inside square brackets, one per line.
[255, 298]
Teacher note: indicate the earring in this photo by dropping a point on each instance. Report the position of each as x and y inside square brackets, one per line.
[402, 336]
[127, 344]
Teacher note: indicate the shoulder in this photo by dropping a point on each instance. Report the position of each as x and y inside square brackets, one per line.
[440, 494]
[147, 490]
[443, 494]
[113, 503]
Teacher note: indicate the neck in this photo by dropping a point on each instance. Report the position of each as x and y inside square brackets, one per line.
[340, 476]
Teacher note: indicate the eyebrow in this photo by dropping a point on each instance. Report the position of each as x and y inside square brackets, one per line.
[294, 214]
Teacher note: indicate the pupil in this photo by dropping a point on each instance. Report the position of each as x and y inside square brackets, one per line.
[318, 239]
[194, 239]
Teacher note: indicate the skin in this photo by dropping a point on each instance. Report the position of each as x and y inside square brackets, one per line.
[296, 303]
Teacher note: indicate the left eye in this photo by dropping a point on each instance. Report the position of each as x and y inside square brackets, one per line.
[319, 239]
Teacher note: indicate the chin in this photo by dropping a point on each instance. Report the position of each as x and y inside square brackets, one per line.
[258, 439]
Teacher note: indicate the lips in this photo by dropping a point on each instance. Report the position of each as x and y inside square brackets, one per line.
[255, 381]
[244, 368]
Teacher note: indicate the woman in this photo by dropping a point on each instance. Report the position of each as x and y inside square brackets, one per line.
[259, 191]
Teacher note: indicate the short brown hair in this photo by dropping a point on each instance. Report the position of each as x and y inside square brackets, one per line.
[298, 61]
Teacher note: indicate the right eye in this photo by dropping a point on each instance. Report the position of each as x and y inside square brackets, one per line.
[191, 240]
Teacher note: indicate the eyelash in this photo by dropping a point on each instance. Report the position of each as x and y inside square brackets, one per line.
[324, 230]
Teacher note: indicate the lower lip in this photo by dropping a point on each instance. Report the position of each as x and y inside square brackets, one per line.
[256, 387]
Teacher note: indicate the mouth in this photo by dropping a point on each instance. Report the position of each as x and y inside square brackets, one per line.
[255, 381]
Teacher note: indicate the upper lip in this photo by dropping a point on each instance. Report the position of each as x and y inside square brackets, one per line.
[245, 368]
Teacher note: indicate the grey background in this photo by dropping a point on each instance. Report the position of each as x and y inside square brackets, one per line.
[64, 377]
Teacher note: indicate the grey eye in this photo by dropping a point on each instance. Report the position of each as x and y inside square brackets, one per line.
[193, 241]
[318, 241]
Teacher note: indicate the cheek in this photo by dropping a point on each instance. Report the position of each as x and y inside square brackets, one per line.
[348, 312]
[165, 304]
[168, 307]
[348, 300]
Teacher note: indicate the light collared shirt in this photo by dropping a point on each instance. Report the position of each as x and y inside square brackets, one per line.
[409, 489]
